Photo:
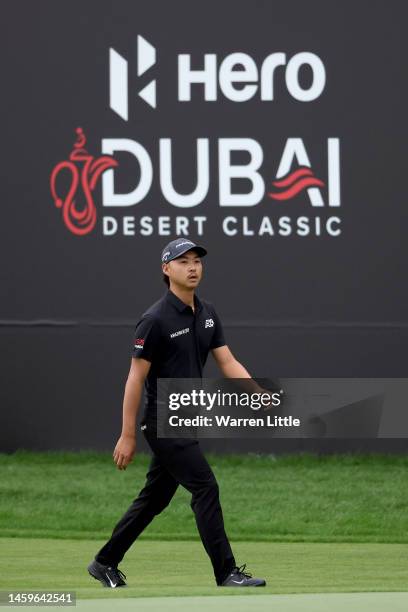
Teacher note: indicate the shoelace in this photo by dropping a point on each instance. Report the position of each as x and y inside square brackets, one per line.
[116, 574]
[241, 570]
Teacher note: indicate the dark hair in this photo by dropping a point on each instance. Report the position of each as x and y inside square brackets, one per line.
[166, 279]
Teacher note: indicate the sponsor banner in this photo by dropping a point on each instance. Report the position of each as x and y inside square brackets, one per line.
[270, 133]
[250, 181]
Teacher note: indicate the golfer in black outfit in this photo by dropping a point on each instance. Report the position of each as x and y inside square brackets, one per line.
[172, 340]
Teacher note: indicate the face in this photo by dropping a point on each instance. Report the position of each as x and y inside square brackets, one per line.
[185, 271]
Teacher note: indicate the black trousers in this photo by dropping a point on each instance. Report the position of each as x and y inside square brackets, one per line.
[175, 462]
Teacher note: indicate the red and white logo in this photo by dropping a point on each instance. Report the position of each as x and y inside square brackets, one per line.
[85, 171]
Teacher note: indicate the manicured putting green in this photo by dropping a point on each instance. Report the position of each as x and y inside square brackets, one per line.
[180, 569]
[320, 602]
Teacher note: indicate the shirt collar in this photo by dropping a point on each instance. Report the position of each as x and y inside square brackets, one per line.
[180, 305]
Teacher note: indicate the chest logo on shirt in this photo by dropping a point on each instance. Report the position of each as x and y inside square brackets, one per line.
[209, 323]
[180, 332]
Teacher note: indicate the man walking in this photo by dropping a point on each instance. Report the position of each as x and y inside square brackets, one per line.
[172, 340]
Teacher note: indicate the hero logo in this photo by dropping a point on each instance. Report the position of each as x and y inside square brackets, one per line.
[118, 73]
[237, 78]
[236, 68]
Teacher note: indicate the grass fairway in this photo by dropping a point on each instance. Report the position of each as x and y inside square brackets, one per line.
[183, 569]
[265, 498]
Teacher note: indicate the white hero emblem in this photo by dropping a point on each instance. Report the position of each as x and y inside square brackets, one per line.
[209, 323]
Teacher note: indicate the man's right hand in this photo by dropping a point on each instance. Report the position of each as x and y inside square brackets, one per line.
[124, 452]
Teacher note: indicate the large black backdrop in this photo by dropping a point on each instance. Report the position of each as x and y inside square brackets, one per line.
[291, 305]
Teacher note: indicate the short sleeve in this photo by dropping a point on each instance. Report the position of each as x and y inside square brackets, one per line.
[146, 338]
[218, 338]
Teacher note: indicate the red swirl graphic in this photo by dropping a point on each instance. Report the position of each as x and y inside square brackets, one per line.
[295, 184]
[80, 221]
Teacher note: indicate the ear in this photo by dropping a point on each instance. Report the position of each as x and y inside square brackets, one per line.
[165, 267]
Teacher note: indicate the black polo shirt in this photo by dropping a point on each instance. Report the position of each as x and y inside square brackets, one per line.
[176, 341]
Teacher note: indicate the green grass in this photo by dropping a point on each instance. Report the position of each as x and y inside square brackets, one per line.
[300, 498]
[166, 568]
[307, 524]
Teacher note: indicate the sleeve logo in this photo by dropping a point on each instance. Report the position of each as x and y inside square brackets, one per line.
[139, 343]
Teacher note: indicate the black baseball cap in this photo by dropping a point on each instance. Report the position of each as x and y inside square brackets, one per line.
[178, 247]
